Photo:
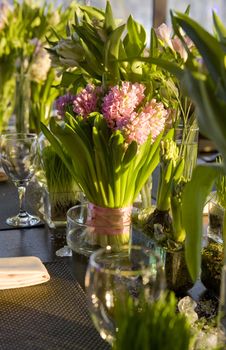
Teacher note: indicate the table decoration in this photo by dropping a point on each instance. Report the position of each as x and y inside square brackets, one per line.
[178, 153]
[113, 121]
[112, 277]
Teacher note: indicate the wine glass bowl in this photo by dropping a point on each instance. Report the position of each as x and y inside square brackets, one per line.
[18, 158]
[113, 276]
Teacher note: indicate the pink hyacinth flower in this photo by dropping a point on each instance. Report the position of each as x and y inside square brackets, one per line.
[150, 121]
[120, 103]
[86, 101]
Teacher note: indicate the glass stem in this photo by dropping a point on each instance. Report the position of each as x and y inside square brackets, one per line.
[21, 193]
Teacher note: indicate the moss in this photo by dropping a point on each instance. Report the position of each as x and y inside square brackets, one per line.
[212, 263]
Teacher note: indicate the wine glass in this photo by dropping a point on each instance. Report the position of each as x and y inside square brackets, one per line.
[113, 276]
[18, 157]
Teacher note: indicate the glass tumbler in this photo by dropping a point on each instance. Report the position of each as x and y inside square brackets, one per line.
[113, 276]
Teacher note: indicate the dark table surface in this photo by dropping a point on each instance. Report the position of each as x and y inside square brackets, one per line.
[59, 327]
[42, 242]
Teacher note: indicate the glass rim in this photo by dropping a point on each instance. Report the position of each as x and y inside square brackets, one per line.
[126, 248]
[19, 135]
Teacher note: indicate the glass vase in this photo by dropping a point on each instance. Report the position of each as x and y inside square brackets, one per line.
[186, 138]
[111, 278]
[57, 204]
[60, 190]
[172, 258]
[216, 217]
[90, 227]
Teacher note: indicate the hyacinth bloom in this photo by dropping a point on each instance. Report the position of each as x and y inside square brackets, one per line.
[5, 9]
[120, 103]
[63, 103]
[41, 62]
[86, 101]
[120, 110]
[163, 32]
[150, 121]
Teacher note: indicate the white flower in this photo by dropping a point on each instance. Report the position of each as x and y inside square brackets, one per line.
[179, 47]
[40, 65]
[163, 33]
[5, 9]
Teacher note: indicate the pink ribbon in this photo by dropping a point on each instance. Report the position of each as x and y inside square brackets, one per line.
[109, 221]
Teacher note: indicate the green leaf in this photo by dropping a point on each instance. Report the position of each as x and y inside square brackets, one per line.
[82, 158]
[93, 12]
[109, 22]
[149, 165]
[210, 110]
[130, 153]
[187, 11]
[69, 78]
[169, 66]
[154, 44]
[89, 35]
[100, 164]
[57, 146]
[91, 59]
[208, 46]
[179, 170]
[193, 200]
[135, 39]
[111, 51]
[219, 26]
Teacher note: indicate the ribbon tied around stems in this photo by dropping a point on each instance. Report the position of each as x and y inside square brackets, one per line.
[109, 221]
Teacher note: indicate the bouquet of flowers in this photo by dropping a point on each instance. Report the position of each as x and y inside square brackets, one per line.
[112, 121]
[25, 29]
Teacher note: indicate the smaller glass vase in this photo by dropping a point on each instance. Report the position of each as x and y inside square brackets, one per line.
[90, 227]
[216, 216]
[56, 205]
[187, 140]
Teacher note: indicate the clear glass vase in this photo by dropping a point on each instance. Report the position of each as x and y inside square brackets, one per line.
[90, 227]
[56, 205]
[60, 190]
[187, 140]
[216, 217]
